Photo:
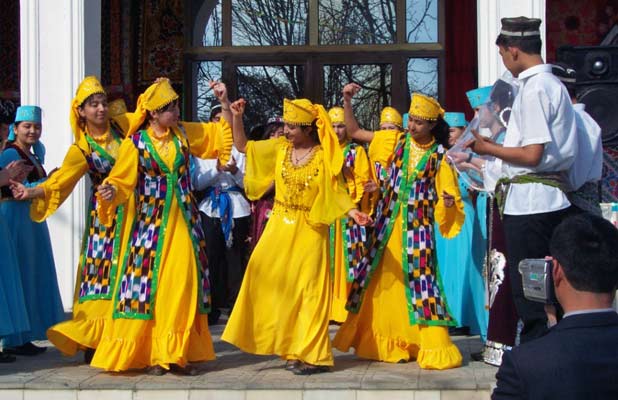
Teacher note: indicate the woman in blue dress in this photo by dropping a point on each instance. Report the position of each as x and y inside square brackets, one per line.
[13, 315]
[31, 243]
[461, 258]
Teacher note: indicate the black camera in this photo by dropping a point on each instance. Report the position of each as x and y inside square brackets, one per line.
[537, 281]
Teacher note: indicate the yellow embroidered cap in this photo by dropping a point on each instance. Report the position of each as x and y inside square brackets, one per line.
[155, 97]
[425, 107]
[158, 95]
[390, 116]
[298, 112]
[336, 115]
[89, 86]
[117, 107]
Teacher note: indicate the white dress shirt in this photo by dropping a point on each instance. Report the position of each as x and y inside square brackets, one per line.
[542, 114]
[588, 164]
[206, 175]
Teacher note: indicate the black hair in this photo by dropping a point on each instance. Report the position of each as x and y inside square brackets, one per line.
[89, 98]
[441, 131]
[166, 107]
[271, 128]
[586, 246]
[215, 109]
[527, 44]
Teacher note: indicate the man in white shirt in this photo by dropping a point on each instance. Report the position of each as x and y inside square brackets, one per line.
[539, 147]
[226, 214]
[585, 173]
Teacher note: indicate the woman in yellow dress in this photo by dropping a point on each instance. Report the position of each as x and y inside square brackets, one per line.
[284, 301]
[94, 152]
[162, 296]
[398, 311]
[347, 239]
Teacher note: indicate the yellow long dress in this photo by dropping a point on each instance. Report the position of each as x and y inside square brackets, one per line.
[178, 332]
[381, 330]
[355, 180]
[284, 301]
[85, 328]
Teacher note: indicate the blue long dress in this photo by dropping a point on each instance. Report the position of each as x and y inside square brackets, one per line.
[13, 314]
[461, 265]
[33, 251]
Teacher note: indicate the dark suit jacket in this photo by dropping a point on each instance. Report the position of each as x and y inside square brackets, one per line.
[576, 359]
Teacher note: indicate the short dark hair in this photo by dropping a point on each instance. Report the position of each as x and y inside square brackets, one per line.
[527, 44]
[586, 246]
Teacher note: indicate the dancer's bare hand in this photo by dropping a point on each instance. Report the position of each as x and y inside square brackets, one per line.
[350, 90]
[106, 191]
[20, 192]
[220, 90]
[360, 218]
[238, 107]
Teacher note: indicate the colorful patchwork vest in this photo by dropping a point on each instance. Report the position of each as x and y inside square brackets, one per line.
[353, 236]
[100, 244]
[156, 186]
[413, 193]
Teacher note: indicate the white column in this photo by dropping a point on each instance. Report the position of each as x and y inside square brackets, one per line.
[52, 66]
[489, 14]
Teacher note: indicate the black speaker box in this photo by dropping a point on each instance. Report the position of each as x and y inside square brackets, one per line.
[597, 84]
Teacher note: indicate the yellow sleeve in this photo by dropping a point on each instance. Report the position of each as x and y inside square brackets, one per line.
[450, 220]
[260, 166]
[210, 139]
[59, 185]
[382, 146]
[363, 173]
[123, 177]
[332, 202]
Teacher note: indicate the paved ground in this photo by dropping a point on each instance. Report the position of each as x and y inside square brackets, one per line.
[239, 372]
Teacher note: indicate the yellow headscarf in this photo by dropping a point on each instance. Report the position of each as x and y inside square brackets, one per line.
[155, 97]
[302, 112]
[89, 86]
[336, 115]
[425, 107]
[117, 107]
[392, 116]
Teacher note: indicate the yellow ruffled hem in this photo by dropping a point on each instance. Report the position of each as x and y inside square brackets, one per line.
[374, 346]
[71, 336]
[227, 140]
[121, 354]
[41, 209]
[439, 358]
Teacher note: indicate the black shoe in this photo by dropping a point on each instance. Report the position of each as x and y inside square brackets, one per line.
[306, 369]
[477, 356]
[187, 370]
[291, 365]
[7, 358]
[88, 354]
[28, 349]
[156, 370]
[459, 331]
[213, 317]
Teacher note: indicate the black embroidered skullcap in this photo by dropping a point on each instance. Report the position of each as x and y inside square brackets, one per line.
[521, 27]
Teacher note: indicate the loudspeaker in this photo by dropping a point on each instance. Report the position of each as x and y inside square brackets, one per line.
[597, 84]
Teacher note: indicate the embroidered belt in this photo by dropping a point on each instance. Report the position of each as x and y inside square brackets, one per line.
[553, 179]
[292, 207]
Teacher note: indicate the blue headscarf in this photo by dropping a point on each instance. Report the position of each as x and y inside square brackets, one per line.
[454, 119]
[30, 114]
[478, 97]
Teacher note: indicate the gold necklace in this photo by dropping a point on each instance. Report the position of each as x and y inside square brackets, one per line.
[425, 146]
[299, 159]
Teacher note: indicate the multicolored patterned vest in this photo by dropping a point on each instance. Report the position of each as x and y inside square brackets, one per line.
[413, 193]
[99, 255]
[156, 186]
[353, 236]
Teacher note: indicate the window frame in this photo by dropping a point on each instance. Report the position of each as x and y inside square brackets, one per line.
[313, 55]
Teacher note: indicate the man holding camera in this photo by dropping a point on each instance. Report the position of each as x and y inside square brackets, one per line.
[578, 357]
